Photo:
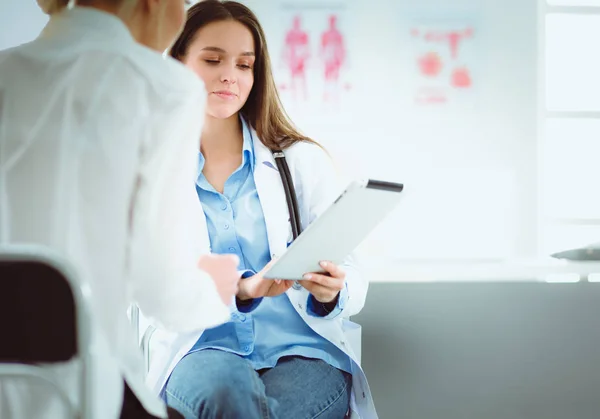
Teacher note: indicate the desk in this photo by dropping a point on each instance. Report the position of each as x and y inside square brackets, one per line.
[546, 270]
[483, 340]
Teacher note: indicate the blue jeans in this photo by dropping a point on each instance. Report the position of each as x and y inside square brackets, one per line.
[215, 384]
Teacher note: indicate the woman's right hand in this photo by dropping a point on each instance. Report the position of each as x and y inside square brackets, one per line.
[256, 286]
[223, 271]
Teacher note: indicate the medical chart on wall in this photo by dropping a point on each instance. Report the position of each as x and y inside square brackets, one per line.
[311, 54]
[444, 67]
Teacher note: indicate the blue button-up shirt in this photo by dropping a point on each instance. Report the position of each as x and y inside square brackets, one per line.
[270, 328]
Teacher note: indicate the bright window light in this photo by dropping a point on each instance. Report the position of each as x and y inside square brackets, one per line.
[572, 64]
[571, 163]
[574, 3]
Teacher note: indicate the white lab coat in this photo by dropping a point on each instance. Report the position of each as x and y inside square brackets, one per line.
[316, 183]
[98, 144]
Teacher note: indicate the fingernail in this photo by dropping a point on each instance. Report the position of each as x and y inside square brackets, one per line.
[324, 264]
[307, 276]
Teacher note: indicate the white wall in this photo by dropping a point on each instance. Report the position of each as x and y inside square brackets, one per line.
[460, 166]
[470, 172]
[20, 21]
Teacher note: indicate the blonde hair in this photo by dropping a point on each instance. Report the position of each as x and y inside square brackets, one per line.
[55, 6]
[52, 6]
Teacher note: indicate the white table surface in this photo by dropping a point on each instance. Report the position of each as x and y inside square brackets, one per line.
[549, 270]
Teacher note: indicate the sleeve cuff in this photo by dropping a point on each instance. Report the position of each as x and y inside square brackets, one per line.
[246, 273]
[246, 306]
[329, 310]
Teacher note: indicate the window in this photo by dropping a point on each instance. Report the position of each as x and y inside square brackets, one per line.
[569, 124]
[574, 3]
[572, 64]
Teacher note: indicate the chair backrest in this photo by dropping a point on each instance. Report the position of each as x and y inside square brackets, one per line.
[44, 317]
[139, 323]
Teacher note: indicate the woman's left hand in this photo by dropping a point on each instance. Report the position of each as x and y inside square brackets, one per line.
[325, 287]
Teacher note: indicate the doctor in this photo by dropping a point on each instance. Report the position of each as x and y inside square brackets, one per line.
[98, 134]
[284, 354]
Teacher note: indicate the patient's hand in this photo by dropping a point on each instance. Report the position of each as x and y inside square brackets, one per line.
[325, 287]
[223, 271]
[256, 286]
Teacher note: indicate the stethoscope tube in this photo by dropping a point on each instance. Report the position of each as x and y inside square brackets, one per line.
[290, 197]
[290, 193]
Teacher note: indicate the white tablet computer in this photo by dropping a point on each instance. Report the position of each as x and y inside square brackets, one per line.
[339, 230]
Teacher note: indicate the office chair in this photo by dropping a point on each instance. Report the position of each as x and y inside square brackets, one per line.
[45, 320]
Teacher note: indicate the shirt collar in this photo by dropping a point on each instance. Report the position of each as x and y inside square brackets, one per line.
[87, 22]
[247, 149]
[248, 146]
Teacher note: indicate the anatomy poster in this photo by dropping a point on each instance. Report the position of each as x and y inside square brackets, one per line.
[443, 63]
[312, 53]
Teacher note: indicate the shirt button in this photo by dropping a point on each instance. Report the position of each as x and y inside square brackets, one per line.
[246, 348]
[232, 249]
[296, 285]
[242, 318]
[226, 226]
[224, 207]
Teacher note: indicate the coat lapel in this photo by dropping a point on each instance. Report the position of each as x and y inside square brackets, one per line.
[272, 198]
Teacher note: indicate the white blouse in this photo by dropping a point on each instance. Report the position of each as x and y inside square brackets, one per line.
[98, 149]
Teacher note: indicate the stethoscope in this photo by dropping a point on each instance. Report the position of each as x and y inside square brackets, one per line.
[290, 197]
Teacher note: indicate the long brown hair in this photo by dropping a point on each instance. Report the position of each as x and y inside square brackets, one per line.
[263, 109]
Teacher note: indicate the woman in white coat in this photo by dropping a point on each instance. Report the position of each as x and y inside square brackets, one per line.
[284, 353]
[97, 140]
